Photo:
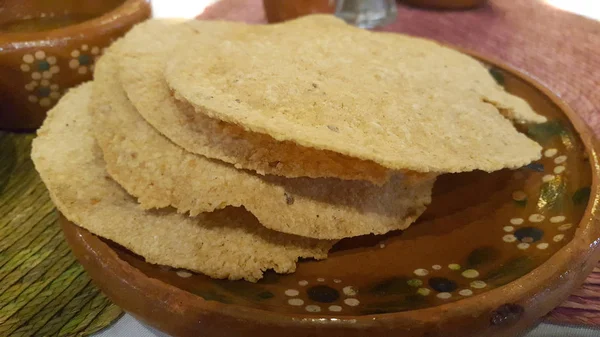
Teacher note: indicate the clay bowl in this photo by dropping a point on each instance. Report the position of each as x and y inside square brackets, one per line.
[47, 47]
[493, 254]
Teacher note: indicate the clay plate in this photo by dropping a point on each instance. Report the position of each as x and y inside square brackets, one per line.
[493, 253]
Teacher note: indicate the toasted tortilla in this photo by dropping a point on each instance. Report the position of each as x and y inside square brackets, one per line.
[402, 102]
[143, 54]
[229, 243]
[161, 174]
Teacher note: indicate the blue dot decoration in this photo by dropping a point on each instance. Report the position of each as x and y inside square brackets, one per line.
[84, 60]
[323, 294]
[537, 167]
[43, 66]
[44, 91]
[529, 234]
[442, 284]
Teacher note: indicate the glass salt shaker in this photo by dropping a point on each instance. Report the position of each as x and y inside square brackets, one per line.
[366, 13]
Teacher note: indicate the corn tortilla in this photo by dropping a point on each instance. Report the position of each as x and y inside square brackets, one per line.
[402, 102]
[229, 243]
[142, 57]
[161, 174]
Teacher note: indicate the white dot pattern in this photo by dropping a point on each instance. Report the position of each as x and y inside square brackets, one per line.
[536, 218]
[313, 308]
[335, 308]
[292, 292]
[352, 302]
[466, 292]
[421, 272]
[560, 159]
[444, 296]
[295, 302]
[550, 152]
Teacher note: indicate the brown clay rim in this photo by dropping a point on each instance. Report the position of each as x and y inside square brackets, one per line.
[548, 274]
[117, 18]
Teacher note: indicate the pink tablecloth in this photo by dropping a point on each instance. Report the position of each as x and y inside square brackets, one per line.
[559, 49]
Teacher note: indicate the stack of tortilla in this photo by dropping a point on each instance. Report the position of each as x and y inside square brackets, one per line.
[230, 149]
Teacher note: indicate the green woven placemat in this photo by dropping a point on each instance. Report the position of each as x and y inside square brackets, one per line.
[44, 291]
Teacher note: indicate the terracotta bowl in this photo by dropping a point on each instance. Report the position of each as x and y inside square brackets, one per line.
[491, 256]
[47, 47]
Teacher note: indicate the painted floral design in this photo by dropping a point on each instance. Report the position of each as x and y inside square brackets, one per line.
[83, 59]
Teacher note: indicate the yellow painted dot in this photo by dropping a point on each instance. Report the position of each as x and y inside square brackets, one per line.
[335, 308]
[54, 69]
[564, 227]
[337, 281]
[559, 169]
[550, 152]
[436, 267]
[45, 102]
[313, 308]
[45, 82]
[508, 228]
[84, 47]
[466, 292]
[54, 87]
[557, 219]
[40, 54]
[292, 292]
[28, 58]
[421, 272]
[542, 246]
[303, 283]
[558, 237]
[295, 302]
[51, 60]
[75, 53]
[444, 296]
[548, 177]
[36, 76]
[516, 221]
[470, 273]
[478, 284]
[25, 68]
[560, 159]
[352, 302]
[509, 238]
[523, 245]
[423, 291]
[349, 291]
[184, 274]
[82, 70]
[74, 64]
[454, 266]
[536, 218]
[95, 51]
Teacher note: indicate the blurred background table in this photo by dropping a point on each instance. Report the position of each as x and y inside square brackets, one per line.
[540, 38]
